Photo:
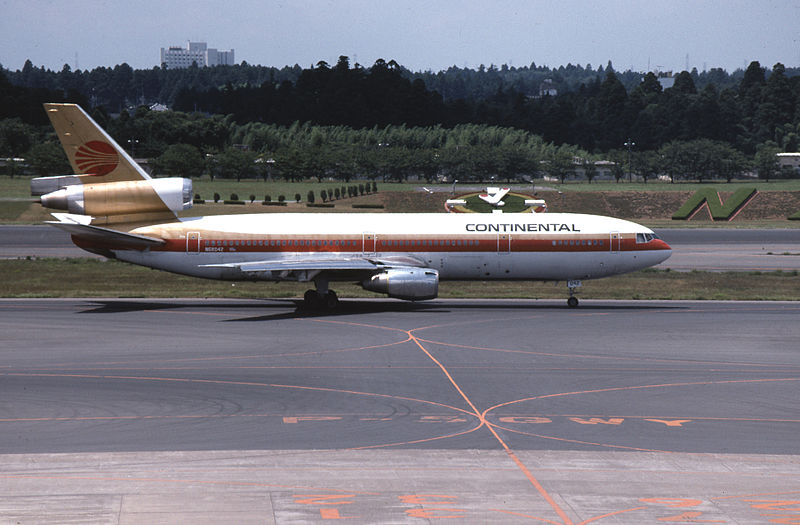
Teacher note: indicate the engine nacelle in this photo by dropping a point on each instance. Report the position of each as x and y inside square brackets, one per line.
[122, 198]
[411, 284]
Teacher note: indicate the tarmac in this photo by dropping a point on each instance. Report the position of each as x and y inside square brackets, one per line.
[473, 411]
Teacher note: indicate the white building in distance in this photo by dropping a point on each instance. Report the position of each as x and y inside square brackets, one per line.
[175, 57]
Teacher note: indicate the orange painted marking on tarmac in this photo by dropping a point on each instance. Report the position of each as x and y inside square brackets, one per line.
[567, 440]
[690, 516]
[598, 421]
[642, 387]
[297, 419]
[437, 513]
[539, 488]
[528, 516]
[672, 423]
[765, 494]
[596, 518]
[177, 481]
[603, 357]
[525, 419]
[423, 440]
[673, 502]
[323, 499]
[71, 366]
[333, 514]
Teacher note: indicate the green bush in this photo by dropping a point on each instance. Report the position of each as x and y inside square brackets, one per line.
[374, 206]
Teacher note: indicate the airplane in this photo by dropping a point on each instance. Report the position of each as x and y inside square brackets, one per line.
[115, 209]
[494, 196]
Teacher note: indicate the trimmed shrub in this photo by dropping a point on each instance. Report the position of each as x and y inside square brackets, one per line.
[372, 206]
[296, 197]
[719, 211]
[216, 197]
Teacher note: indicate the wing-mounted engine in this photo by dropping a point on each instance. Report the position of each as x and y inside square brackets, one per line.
[120, 198]
[411, 284]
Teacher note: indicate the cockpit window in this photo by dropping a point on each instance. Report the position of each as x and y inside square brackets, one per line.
[645, 237]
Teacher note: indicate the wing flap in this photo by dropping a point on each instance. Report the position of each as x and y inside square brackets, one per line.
[281, 265]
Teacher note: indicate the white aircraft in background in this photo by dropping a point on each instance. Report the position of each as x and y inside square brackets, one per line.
[116, 210]
[494, 196]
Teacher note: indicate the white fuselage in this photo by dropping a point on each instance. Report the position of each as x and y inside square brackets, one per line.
[549, 246]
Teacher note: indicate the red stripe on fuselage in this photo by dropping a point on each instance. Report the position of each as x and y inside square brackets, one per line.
[406, 244]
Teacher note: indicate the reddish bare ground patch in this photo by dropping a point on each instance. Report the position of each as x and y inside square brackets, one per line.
[641, 205]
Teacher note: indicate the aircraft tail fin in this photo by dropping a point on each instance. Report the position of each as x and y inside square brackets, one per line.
[108, 185]
[91, 151]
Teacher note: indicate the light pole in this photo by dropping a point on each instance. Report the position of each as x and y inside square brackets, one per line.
[133, 143]
[454, 187]
[629, 144]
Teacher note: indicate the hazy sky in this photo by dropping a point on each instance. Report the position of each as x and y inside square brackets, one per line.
[421, 35]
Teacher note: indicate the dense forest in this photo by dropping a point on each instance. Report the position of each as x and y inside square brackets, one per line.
[350, 121]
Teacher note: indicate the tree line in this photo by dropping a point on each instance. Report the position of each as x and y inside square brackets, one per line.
[345, 122]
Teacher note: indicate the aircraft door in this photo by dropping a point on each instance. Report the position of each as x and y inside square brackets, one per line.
[368, 243]
[193, 242]
[503, 243]
[615, 241]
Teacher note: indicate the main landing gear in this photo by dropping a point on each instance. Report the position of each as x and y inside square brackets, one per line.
[313, 300]
[572, 302]
[322, 298]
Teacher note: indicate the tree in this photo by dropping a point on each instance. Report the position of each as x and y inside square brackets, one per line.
[181, 160]
[560, 163]
[589, 169]
[234, 163]
[766, 161]
[47, 158]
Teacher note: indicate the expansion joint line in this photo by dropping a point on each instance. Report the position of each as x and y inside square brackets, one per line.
[483, 422]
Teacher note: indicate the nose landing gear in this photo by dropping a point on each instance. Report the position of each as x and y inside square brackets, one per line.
[572, 302]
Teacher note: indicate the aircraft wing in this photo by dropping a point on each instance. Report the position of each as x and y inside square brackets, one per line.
[76, 226]
[320, 264]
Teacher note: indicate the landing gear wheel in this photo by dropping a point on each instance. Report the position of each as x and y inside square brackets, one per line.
[331, 300]
[313, 300]
[572, 302]
[310, 298]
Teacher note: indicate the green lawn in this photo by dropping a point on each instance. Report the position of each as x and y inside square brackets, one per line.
[19, 187]
[98, 278]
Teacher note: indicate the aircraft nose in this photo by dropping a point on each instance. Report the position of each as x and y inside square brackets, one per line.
[664, 249]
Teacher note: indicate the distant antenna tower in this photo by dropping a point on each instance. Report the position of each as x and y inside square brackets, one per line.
[76, 61]
[687, 62]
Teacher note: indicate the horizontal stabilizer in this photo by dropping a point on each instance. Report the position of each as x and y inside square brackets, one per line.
[75, 225]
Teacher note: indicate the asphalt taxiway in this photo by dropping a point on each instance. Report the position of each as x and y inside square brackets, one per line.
[162, 411]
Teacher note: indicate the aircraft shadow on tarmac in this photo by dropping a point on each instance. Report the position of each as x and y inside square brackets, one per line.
[345, 307]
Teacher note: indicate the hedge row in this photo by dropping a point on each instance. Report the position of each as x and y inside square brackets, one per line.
[719, 211]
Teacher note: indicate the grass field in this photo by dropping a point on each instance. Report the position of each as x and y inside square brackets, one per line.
[97, 278]
[19, 187]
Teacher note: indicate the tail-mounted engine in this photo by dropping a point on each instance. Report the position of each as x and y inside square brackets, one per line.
[121, 198]
[411, 284]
